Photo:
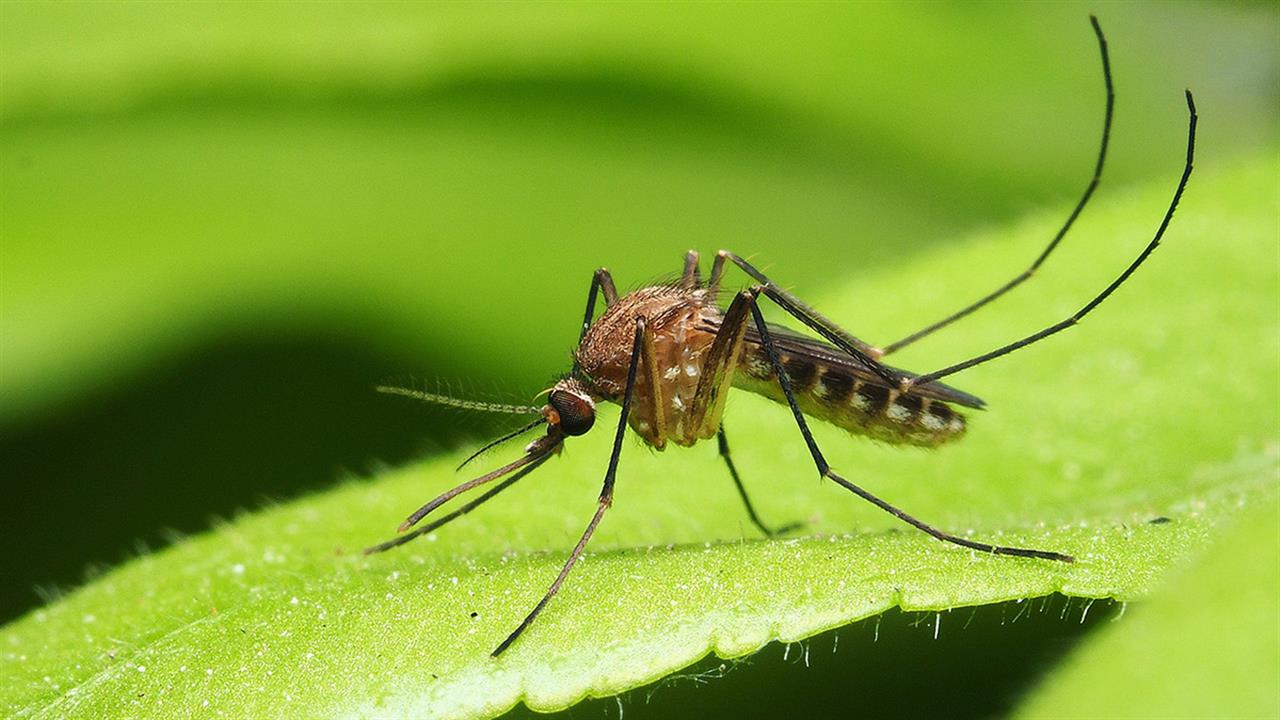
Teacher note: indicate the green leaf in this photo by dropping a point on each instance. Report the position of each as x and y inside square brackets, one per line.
[1180, 655]
[1091, 436]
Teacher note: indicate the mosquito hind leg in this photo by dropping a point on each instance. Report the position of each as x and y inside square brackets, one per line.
[824, 469]
[1062, 231]
[867, 353]
[907, 383]
[606, 495]
[723, 443]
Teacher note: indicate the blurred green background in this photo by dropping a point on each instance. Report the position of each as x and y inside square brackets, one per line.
[222, 224]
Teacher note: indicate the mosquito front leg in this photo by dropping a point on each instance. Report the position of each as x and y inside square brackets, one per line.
[606, 493]
[825, 470]
[1057, 238]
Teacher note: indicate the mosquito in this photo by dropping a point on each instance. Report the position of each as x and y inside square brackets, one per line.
[669, 354]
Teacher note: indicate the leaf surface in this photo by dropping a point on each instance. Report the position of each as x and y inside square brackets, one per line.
[1177, 657]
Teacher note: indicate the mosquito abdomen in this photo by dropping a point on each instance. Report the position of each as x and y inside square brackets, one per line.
[857, 405]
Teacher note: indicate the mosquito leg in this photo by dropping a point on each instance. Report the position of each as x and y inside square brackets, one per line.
[1084, 199]
[436, 524]
[716, 374]
[825, 470]
[717, 273]
[795, 307]
[723, 443]
[653, 377]
[907, 383]
[606, 494]
[707, 406]
[690, 279]
[601, 282]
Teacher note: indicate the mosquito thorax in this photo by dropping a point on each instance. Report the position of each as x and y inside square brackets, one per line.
[570, 409]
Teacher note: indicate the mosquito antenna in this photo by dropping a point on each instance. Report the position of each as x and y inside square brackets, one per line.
[539, 449]
[494, 443]
[450, 401]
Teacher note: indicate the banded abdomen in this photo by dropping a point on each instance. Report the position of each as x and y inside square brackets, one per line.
[830, 388]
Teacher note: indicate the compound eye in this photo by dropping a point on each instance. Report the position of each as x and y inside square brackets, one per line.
[577, 415]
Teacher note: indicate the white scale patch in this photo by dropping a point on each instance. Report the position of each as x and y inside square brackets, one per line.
[899, 413]
[932, 422]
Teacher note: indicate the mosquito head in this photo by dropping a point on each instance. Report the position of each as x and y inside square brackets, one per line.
[569, 408]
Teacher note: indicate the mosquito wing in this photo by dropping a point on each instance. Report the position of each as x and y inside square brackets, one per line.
[821, 354]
